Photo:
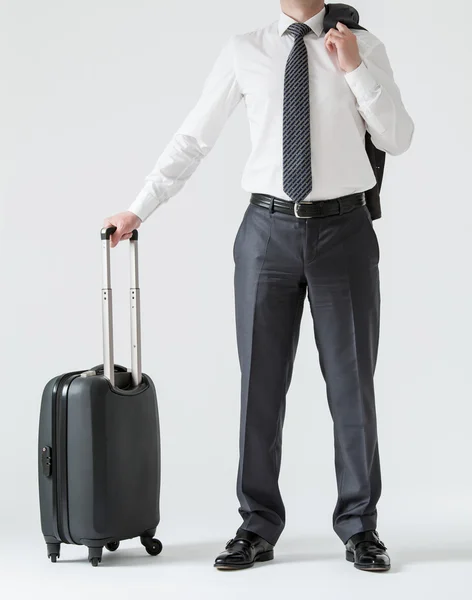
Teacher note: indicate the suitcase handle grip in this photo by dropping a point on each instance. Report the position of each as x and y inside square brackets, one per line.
[107, 232]
[107, 309]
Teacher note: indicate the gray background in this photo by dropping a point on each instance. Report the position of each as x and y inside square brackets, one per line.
[92, 92]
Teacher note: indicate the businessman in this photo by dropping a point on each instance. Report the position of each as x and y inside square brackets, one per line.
[312, 93]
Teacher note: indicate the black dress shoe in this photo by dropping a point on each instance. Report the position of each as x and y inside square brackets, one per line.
[367, 552]
[242, 551]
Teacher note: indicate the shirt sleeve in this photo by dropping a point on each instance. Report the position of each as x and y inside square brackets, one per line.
[379, 102]
[195, 137]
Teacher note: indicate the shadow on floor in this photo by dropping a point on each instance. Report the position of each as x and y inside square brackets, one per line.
[438, 552]
[290, 551]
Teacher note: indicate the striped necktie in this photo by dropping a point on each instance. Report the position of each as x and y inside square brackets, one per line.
[297, 180]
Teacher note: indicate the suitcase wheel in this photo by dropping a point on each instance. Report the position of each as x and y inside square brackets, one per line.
[153, 546]
[95, 556]
[53, 552]
[112, 546]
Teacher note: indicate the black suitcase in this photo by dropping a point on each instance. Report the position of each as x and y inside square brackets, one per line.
[99, 444]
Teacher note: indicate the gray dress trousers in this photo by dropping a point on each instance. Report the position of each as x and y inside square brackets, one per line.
[279, 259]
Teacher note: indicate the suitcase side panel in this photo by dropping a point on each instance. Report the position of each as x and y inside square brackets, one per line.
[113, 460]
[45, 481]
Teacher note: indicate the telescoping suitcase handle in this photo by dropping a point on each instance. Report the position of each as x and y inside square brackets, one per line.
[107, 309]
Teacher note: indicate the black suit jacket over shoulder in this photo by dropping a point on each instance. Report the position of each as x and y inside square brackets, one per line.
[349, 16]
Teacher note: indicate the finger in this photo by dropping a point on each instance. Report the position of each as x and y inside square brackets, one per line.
[106, 225]
[333, 33]
[330, 43]
[116, 237]
[124, 236]
[342, 28]
[329, 46]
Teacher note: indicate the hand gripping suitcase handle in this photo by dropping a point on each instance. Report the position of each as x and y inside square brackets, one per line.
[107, 309]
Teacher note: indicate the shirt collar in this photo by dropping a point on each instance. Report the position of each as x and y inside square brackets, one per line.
[316, 22]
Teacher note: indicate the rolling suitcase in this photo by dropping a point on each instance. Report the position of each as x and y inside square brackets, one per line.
[99, 444]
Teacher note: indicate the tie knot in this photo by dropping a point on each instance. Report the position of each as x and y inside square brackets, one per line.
[298, 30]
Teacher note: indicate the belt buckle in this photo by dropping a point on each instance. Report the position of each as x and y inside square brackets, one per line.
[295, 210]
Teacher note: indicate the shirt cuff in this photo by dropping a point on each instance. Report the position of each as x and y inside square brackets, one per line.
[144, 205]
[362, 83]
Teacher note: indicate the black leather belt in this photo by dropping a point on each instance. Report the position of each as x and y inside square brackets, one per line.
[309, 209]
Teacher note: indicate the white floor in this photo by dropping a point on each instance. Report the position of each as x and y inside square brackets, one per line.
[425, 565]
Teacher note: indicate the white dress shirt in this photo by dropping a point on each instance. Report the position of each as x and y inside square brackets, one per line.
[251, 67]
